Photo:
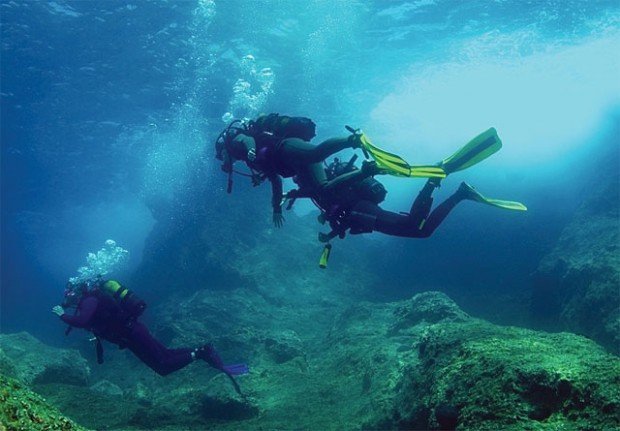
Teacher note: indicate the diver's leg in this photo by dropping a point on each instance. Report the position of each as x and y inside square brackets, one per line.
[422, 204]
[367, 217]
[154, 354]
[310, 177]
[295, 150]
[440, 213]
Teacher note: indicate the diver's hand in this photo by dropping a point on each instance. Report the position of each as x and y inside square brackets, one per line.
[278, 218]
[356, 137]
[58, 310]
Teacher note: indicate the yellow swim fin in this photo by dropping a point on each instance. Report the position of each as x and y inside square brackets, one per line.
[474, 195]
[479, 148]
[395, 165]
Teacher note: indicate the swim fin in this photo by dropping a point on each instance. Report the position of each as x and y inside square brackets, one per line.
[479, 148]
[395, 165]
[472, 194]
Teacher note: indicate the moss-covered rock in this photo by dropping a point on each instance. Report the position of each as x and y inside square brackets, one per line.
[456, 371]
[577, 285]
[92, 408]
[512, 378]
[416, 364]
[33, 362]
[23, 410]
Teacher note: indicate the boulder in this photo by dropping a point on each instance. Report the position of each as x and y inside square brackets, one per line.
[442, 369]
[284, 346]
[107, 388]
[576, 286]
[21, 409]
[33, 362]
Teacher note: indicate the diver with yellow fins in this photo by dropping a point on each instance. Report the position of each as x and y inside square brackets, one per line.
[355, 209]
[348, 197]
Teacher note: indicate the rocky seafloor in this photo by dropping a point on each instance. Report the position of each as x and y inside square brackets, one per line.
[421, 363]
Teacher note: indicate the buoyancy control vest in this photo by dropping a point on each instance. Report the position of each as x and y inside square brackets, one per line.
[131, 305]
[368, 189]
[282, 127]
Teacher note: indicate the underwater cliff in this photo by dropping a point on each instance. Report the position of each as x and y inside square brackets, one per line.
[577, 285]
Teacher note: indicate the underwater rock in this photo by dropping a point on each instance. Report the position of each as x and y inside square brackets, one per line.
[428, 307]
[577, 284]
[184, 404]
[222, 402]
[94, 409]
[33, 362]
[106, 387]
[284, 346]
[21, 409]
[465, 373]
[512, 378]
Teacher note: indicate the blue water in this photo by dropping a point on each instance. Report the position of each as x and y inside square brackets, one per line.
[105, 103]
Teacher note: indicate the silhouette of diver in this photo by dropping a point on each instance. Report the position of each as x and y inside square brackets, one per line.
[110, 311]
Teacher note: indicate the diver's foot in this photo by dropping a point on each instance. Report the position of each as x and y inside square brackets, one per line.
[465, 191]
[208, 354]
[435, 182]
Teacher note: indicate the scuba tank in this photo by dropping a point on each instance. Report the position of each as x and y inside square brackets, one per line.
[283, 126]
[129, 302]
[368, 189]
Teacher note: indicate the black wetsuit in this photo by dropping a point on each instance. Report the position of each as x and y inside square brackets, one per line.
[290, 157]
[296, 157]
[346, 211]
[366, 216]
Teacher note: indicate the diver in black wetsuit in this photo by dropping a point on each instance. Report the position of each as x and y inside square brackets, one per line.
[275, 146]
[355, 206]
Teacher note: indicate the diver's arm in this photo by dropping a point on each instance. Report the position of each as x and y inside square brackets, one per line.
[276, 199]
[86, 310]
[276, 192]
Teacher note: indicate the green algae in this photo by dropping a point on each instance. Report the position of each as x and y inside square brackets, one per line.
[23, 410]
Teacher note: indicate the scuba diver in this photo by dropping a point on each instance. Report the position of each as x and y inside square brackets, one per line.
[110, 311]
[355, 206]
[348, 197]
[278, 146]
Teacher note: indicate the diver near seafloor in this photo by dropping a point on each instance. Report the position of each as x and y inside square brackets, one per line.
[278, 146]
[110, 312]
